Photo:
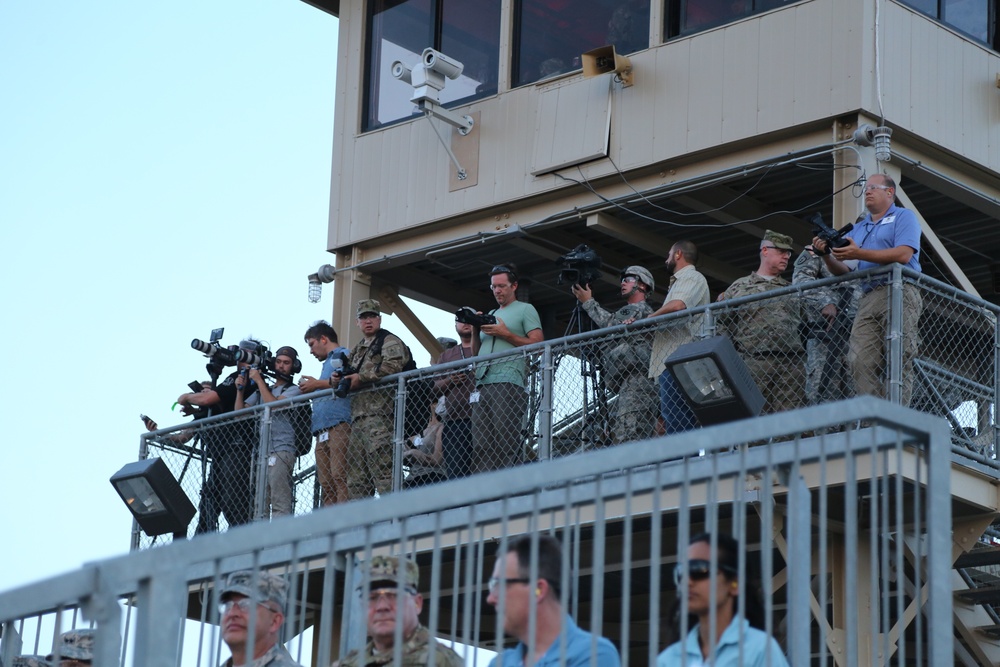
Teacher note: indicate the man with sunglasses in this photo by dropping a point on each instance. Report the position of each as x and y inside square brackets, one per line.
[263, 595]
[499, 402]
[887, 235]
[393, 597]
[514, 592]
[766, 332]
[626, 358]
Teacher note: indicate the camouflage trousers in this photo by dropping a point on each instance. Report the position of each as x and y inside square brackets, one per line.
[870, 338]
[369, 456]
[780, 378]
[636, 409]
[828, 376]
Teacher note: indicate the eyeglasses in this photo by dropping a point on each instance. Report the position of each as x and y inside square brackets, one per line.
[781, 251]
[494, 583]
[872, 186]
[629, 279]
[504, 269]
[390, 595]
[699, 569]
[243, 604]
[496, 287]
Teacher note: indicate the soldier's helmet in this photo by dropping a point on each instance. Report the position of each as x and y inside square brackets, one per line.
[75, 645]
[642, 274]
[262, 586]
[391, 571]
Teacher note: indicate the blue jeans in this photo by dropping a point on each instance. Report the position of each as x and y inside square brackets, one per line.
[677, 415]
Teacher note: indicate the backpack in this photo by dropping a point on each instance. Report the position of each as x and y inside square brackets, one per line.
[301, 418]
[418, 391]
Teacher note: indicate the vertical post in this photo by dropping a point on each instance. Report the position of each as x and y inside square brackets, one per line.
[399, 435]
[545, 407]
[939, 531]
[708, 323]
[896, 335]
[260, 491]
[996, 388]
[10, 643]
[800, 569]
[161, 604]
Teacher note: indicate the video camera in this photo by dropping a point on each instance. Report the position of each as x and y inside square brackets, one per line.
[218, 357]
[467, 315]
[581, 266]
[833, 238]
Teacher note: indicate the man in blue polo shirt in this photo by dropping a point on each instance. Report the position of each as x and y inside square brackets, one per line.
[887, 235]
[557, 638]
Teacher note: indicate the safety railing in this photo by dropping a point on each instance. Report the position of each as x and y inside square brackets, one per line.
[938, 353]
[843, 552]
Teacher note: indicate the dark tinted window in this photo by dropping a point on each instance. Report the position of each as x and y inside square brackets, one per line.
[550, 35]
[685, 17]
[466, 30]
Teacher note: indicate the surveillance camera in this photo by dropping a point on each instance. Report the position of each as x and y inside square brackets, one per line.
[442, 64]
[401, 72]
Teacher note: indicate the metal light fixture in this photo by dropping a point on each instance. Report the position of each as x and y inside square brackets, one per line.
[882, 148]
[325, 274]
[154, 497]
[715, 381]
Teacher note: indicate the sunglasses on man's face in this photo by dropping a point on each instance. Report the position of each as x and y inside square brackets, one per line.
[698, 569]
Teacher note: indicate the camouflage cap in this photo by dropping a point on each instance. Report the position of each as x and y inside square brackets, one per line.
[31, 661]
[75, 645]
[780, 241]
[369, 306]
[270, 587]
[386, 569]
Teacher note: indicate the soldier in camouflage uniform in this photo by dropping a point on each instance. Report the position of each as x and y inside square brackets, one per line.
[766, 333]
[385, 575]
[829, 313]
[264, 594]
[31, 660]
[76, 647]
[369, 452]
[626, 360]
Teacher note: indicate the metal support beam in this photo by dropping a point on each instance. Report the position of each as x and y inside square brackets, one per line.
[391, 301]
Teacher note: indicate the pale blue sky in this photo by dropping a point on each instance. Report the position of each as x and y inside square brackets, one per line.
[164, 170]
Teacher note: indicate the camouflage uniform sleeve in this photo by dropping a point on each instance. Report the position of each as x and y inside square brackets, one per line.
[808, 267]
[601, 317]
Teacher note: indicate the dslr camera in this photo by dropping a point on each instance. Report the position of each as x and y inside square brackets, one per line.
[467, 315]
[832, 237]
[581, 266]
[343, 387]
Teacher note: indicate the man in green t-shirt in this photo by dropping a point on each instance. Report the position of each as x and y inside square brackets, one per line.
[499, 402]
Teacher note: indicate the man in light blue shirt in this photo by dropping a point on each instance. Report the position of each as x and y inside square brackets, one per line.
[555, 638]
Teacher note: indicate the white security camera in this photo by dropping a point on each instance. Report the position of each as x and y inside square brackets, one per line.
[442, 64]
[401, 72]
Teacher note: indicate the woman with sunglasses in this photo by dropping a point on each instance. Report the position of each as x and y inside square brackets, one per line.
[739, 640]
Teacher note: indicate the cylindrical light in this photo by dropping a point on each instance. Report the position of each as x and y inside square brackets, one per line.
[882, 134]
[315, 289]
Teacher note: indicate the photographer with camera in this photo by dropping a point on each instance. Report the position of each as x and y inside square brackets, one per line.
[453, 405]
[500, 401]
[625, 363]
[331, 415]
[887, 235]
[231, 447]
[378, 354]
[281, 451]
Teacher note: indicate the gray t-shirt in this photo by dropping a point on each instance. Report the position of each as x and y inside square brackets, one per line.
[282, 431]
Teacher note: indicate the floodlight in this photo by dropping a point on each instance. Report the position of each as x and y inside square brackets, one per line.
[715, 381]
[154, 497]
[325, 274]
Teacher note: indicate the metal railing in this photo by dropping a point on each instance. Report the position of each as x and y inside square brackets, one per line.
[596, 389]
[848, 533]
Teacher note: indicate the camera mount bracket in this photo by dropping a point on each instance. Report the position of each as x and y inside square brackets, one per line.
[461, 123]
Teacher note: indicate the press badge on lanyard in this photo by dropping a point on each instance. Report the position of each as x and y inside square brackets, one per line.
[474, 397]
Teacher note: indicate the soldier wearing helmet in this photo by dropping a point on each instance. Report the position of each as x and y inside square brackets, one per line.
[627, 358]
